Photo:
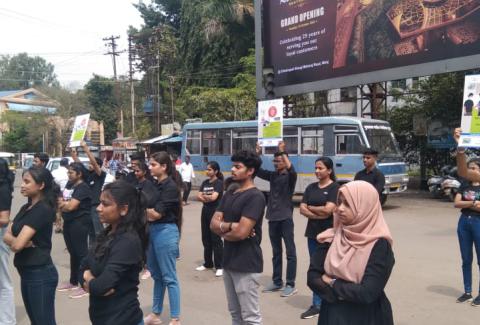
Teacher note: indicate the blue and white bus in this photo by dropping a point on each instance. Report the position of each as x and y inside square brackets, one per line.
[343, 139]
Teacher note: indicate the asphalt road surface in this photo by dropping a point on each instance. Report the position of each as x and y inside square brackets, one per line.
[423, 287]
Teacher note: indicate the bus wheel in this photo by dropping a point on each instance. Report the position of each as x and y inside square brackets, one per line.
[383, 199]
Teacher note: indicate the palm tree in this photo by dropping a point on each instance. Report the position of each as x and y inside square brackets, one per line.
[220, 13]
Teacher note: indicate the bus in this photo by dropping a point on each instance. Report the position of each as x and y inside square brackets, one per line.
[343, 139]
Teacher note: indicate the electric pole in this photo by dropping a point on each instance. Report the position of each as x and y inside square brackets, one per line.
[131, 58]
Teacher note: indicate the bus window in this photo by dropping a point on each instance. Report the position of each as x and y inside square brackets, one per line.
[245, 139]
[216, 142]
[312, 141]
[193, 142]
[348, 144]
[290, 137]
[381, 139]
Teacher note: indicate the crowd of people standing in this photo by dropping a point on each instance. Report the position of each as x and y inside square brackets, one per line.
[114, 231]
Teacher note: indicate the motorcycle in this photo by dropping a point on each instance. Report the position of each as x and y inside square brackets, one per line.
[447, 184]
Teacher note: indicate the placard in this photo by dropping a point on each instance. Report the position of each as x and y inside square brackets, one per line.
[79, 129]
[270, 122]
[470, 125]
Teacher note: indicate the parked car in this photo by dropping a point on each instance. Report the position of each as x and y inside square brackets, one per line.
[54, 162]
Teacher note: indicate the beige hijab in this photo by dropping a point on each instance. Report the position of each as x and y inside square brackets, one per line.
[351, 245]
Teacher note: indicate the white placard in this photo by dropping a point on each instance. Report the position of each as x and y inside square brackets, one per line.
[270, 122]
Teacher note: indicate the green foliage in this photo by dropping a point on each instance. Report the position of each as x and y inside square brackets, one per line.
[100, 93]
[437, 98]
[25, 131]
[22, 71]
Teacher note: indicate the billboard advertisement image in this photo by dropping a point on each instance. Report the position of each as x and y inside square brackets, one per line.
[326, 44]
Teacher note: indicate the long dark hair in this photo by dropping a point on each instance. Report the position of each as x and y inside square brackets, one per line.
[79, 168]
[135, 221]
[51, 190]
[163, 158]
[329, 164]
[6, 176]
[144, 168]
[216, 167]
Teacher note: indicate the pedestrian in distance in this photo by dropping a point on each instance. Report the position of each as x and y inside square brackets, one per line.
[239, 221]
[76, 204]
[210, 194]
[164, 214]
[110, 271]
[468, 231]
[280, 220]
[40, 159]
[318, 203]
[7, 307]
[188, 174]
[30, 237]
[371, 173]
[469, 224]
[351, 270]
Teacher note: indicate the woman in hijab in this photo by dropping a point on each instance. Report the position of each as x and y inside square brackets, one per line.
[351, 273]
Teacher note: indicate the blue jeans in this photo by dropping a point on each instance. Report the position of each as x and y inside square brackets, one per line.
[161, 261]
[7, 304]
[468, 231]
[278, 230]
[312, 248]
[38, 284]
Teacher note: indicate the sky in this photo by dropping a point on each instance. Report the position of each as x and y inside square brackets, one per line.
[68, 34]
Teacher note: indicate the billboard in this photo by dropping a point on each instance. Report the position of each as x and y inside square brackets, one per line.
[325, 44]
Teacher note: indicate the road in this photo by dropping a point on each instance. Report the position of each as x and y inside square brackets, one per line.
[422, 289]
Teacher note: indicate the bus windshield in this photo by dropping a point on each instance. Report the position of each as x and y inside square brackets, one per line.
[381, 139]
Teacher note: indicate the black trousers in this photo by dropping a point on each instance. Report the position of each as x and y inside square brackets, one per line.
[212, 243]
[279, 230]
[75, 233]
[187, 187]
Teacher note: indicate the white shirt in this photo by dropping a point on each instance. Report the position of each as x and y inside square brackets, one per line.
[186, 171]
[60, 177]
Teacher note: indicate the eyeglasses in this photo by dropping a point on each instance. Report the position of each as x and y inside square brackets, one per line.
[277, 161]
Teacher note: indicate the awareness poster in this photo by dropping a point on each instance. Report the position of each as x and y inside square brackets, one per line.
[270, 122]
[470, 136]
[79, 129]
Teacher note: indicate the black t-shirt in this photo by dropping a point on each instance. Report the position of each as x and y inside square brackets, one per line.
[210, 188]
[470, 193]
[150, 191]
[282, 186]
[167, 202]
[117, 269]
[245, 255]
[82, 193]
[317, 196]
[5, 197]
[40, 217]
[96, 182]
[375, 177]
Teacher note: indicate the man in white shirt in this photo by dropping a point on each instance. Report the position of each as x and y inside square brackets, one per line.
[187, 173]
[60, 175]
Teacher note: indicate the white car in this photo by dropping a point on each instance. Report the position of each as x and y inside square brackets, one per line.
[54, 163]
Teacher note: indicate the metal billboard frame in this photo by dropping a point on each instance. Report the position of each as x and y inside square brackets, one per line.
[381, 75]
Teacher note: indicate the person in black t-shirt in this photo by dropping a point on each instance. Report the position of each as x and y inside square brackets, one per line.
[76, 206]
[164, 214]
[318, 203]
[210, 194]
[371, 173]
[95, 179]
[110, 271]
[30, 237]
[468, 230]
[280, 219]
[7, 307]
[239, 221]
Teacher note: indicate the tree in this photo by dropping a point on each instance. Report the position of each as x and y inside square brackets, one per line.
[22, 71]
[100, 93]
[25, 131]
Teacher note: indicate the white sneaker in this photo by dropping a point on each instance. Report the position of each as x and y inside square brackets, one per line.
[201, 268]
[219, 272]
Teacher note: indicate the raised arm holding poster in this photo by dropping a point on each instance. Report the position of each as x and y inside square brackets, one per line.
[79, 129]
[470, 136]
[270, 122]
